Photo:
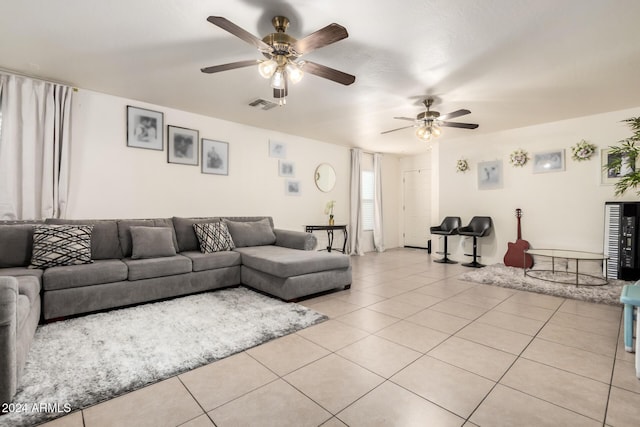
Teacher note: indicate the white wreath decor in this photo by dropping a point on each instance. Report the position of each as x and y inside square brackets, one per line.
[519, 158]
[582, 151]
[462, 165]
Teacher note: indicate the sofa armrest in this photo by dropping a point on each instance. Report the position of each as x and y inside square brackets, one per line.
[295, 239]
[8, 330]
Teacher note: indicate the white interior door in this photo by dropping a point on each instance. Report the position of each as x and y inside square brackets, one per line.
[417, 207]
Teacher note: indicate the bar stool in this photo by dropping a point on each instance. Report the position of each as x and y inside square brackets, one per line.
[448, 227]
[479, 226]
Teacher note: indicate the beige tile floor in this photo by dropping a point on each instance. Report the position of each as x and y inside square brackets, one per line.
[409, 345]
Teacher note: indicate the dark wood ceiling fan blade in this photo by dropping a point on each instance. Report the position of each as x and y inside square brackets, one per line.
[230, 66]
[454, 114]
[393, 130]
[458, 125]
[328, 73]
[323, 37]
[405, 118]
[241, 33]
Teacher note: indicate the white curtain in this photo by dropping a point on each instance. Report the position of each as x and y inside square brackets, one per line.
[34, 148]
[355, 233]
[378, 235]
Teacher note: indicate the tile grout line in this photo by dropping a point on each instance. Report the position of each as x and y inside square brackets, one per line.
[613, 369]
[468, 419]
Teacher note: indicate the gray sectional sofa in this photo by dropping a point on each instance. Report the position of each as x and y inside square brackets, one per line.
[278, 262]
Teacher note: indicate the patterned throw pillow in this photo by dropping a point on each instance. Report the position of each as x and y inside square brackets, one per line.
[213, 237]
[55, 245]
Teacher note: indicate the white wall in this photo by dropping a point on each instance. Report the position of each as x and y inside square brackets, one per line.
[111, 180]
[560, 209]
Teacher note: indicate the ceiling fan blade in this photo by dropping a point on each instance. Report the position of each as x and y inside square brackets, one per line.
[454, 114]
[458, 125]
[393, 130]
[323, 37]
[230, 66]
[241, 33]
[328, 73]
[405, 118]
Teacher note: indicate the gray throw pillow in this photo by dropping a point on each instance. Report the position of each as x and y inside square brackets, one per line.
[251, 233]
[151, 242]
[213, 237]
[55, 245]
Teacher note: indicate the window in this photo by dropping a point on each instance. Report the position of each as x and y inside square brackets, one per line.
[368, 184]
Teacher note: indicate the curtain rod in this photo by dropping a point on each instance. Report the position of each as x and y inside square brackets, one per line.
[17, 73]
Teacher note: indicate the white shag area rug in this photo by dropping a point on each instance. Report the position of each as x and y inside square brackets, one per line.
[76, 363]
[514, 278]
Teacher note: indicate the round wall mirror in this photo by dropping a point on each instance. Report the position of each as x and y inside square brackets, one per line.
[325, 177]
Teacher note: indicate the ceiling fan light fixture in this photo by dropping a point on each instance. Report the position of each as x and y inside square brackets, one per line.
[294, 72]
[423, 133]
[277, 80]
[427, 132]
[267, 68]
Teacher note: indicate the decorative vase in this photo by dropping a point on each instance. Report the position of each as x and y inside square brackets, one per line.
[331, 222]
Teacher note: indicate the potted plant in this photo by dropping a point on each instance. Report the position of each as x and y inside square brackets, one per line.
[625, 155]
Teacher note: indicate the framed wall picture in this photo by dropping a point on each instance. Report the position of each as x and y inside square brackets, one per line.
[609, 175]
[215, 157]
[277, 149]
[292, 188]
[145, 128]
[490, 175]
[182, 145]
[286, 168]
[548, 161]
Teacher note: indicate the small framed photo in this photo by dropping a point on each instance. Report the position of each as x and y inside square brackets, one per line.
[215, 157]
[292, 188]
[490, 175]
[144, 128]
[549, 161]
[277, 149]
[182, 145]
[286, 168]
[609, 174]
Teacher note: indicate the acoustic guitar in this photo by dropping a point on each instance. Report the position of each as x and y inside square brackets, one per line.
[515, 256]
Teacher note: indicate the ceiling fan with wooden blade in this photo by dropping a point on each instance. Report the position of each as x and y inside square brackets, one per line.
[429, 122]
[283, 64]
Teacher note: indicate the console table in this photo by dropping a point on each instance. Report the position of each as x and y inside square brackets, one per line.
[568, 278]
[329, 229]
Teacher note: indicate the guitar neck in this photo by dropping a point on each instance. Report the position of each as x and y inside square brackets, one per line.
[519, 231]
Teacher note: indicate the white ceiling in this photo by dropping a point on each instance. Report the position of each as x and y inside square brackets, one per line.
[513, 63]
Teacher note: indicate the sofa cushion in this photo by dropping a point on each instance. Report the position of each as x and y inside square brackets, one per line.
[211, 261]
[61, 245]
[29, 286]
[157, 267]
[151, 242]
[24, 308]
[100, 271]
[16, 246]
[213, 237]
[124, 233]
[21, 271]
[285, 262]
[186, 235]
[104, 237]
[251, 233]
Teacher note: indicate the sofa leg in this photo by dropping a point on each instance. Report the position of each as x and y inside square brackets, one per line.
[347, 286]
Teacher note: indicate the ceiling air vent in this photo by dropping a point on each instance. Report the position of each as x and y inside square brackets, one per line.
[264, 104]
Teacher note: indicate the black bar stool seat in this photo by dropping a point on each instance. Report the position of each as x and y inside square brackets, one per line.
[448, 227]
[480, 226]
